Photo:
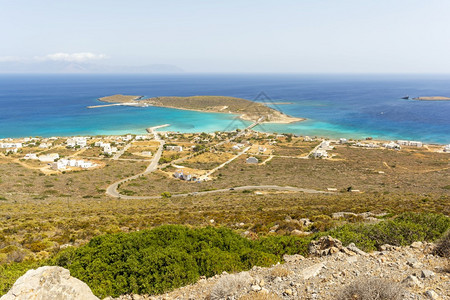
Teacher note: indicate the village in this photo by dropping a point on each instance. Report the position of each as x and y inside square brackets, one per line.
[192, 157]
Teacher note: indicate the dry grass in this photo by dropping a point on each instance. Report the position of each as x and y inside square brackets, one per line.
[260, 296]
[230, 286]
[207, 160]
[371, 289]
[280, 271]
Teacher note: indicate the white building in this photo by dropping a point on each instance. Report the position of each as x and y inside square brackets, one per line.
[320, 153]
[403, 142]
[262, 149]
[180, 174]
[128, 137]
[343, 141]
[416, 144]
[392, 145]
[142, 137]
[410, 143]
[59, 165]
[447, 148]
[370, 145]
[174, 148]
[45, 145]
[80, 141]
[308, 139]
[64, 163]
[11, 150]
[30, 156]
[11, 145]
[325, 145]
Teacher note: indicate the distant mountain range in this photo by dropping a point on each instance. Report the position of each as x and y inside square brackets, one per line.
[77, 67]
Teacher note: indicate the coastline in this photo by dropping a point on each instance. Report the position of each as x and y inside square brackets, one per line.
[274, 117]
[286, 120]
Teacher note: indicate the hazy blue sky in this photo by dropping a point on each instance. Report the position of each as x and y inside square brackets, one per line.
[233, 36]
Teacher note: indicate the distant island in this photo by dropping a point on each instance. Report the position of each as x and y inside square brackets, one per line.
[248, 110]
[434, 98]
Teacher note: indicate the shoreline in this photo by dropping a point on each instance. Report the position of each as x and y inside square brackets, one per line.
[276, 116]
[243, 117]
[152, 129]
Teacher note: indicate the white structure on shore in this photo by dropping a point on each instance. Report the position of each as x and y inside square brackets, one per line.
[410, 143]
[392, 145]
[447, 148]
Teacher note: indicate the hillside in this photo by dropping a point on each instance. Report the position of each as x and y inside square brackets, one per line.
[246, 109]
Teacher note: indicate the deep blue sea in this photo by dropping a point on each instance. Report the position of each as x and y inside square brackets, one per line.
[356, 106]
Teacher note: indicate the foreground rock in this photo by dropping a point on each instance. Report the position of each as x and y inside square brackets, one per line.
[49, 283]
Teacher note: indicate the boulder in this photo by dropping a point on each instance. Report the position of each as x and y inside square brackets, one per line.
[412, 281]
[312, 271]
[49, 283]
[326, 245]
[355, 249]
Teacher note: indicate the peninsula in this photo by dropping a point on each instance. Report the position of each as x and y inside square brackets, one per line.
[434, 98]
[246, 109]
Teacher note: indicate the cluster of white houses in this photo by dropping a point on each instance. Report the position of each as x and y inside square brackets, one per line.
[321, 150]
[78, 141]
[107, 148]
[63, 164]
[392, 145]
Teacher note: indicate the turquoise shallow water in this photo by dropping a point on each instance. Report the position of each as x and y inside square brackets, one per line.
[335, 105]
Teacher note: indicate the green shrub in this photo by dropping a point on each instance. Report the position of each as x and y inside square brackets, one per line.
[157, 260]
[400, 231]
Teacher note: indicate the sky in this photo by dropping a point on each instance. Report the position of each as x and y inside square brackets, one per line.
[245, 36]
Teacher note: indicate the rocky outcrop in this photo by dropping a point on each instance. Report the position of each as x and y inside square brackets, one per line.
[47, 283]
[325, 277]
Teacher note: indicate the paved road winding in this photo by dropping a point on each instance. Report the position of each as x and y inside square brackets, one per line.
[112, 189]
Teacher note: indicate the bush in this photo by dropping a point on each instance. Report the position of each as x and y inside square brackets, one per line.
[400, 231]
[370, 289]
[155, 261]
[443, 246]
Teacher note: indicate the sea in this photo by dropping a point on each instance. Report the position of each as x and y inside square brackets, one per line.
[334, 106]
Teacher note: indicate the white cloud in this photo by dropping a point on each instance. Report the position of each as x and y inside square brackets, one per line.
[72, 57]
